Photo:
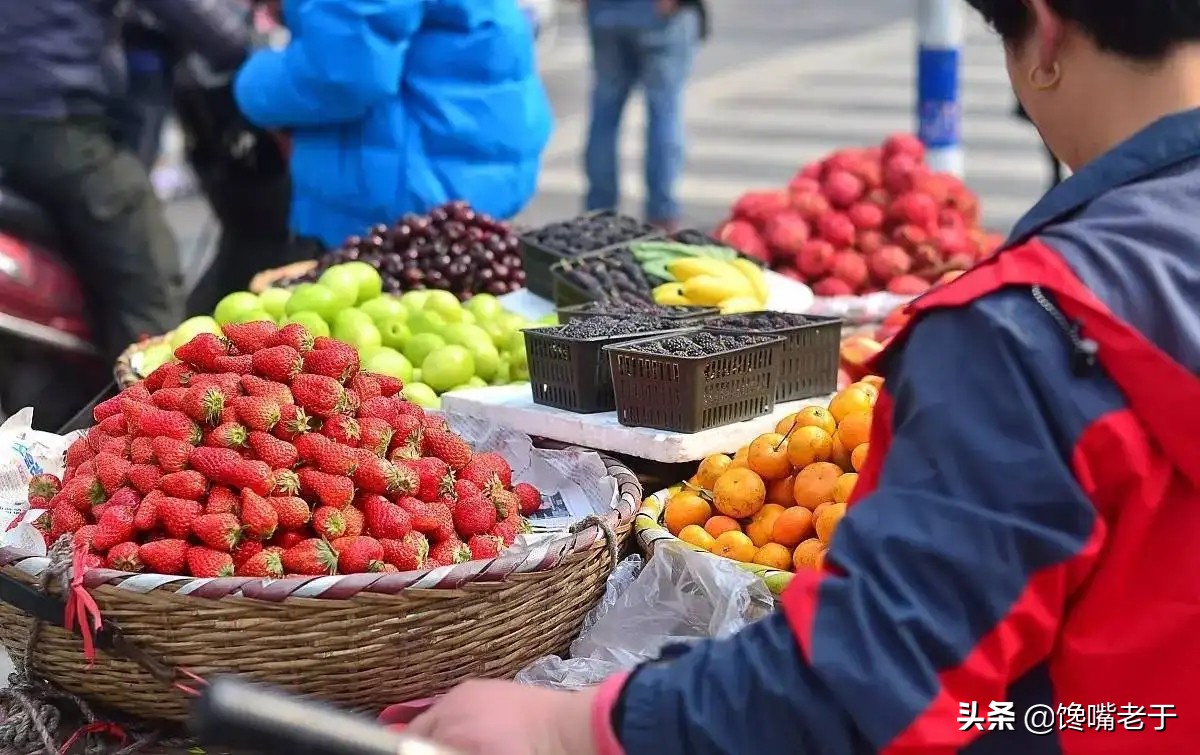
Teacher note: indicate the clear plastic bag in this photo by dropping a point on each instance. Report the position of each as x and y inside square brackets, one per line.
[680, 596]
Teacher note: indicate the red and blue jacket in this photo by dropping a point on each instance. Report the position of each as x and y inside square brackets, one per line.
[1027, 528]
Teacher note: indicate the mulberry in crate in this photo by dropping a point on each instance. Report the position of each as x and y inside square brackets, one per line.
[760, 321]
[701, 344]
[596, 327]
[588, 233]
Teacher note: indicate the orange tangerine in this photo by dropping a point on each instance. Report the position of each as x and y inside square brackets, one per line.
[808, 444]
[710, 469]
[809, 416]
[793, 526]
[775, 556]
[855, 429]
[739, 493]
[819, 559]
[763, 524]
[858, 457]
[780, 491]
[736, 546]
[870, 389]
[694, 534]
[684, 509]
[720, 524]
[828, 520]
[840, 454]
[873, 380]
[850, 400]
[768, 457]
[815, 484]
[844, 487]
[806, 554]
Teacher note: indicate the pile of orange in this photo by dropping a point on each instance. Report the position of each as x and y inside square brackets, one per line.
[777, 502]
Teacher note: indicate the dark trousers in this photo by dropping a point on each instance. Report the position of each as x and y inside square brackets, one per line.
[113, 227]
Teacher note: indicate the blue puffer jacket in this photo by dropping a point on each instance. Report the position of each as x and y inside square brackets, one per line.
[399, 105]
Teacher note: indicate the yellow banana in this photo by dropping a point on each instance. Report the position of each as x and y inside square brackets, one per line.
[686, 268]
[754, 274]
[708, 290]
[670, 295]
[738, 304]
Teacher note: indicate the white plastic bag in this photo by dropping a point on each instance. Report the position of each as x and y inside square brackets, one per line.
[681, 596]
[25, 452]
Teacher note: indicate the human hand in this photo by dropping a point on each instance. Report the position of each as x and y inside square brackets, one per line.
[504, 718]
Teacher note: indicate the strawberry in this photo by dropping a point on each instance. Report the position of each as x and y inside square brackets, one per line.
[375, 435]
[229, 383]
[326, 455]
[253, 474]
[529, 498]
[381, 407]
[295, 335]
[188, 484]
[203, 403]
[145, 517]
[83, 491]
[285, 482]
[408, 553]
[124, 557]
[359, 555]
[356, 523]
[384, 519]
[78, 452]
[65, 518]
[375, 475]
[222, 500]
[408, 435]
[226, 435]
[464, 489]
[94, 436]
[286, 539]
[44, 486]
[341, 364]
[328, 522]
[310, 557]
[123, 496]
[278, 454]
[169, 399]
[293, 422]
[218, 531]
[203, 351]
[172, 455]
[141, 450]
[320, 395]
[341, 429]
[115, 526]
[164, 556]
[115, 446]
[482, 467]
[83, 536]
[325, 342]
[246, 550]
[431, 519]
[364, 386]
[506, 530]
[292, 511]
[109, 407]
[115, 425]
[474, 515]
[434, 422]
[448, 552]
[256, 413]
[207, 562]
[267, 564]
[238, 365]
[227, 467]
[506, 502]
[158, 423]
[447, 446]
[329, 489]
[253, 385]
[431, 473]
[169, 375]
[388, 385]
[484, 547]
[250, 337]
[278, 363]
[259, 518]
[177, 515]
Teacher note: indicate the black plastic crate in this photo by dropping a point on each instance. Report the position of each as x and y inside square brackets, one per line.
[688, 316]
[690, 394]
[566, 292]
[537, 259]
[811, 352]
[573, 373]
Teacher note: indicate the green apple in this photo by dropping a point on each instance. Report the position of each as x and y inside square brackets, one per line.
[253, 316]
[343, 283]
[483, 306]
[314, 297]
[192, 327]
[357, 329]
[496, 332]
[311, 320]
[444, 368]
[416, 375]
[421, 395]
[384, 308]
[464, 334]
[519, 363]
[395, 331]
[370, 282]
[234, 304]
[387, 361]
[503, 372]
[156, 356]
[445, 304]
[274, 301]
[550, 319]
[427, 322]
[422, 345]
[515, 341]
[468, 318]
[415, 300]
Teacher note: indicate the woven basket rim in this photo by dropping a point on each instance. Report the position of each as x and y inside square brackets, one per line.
[264, 279]
[650, 532]
[541, 558]
[123, 371]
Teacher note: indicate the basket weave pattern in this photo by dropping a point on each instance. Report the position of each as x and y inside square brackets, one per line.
[267, 278]
[361, 641]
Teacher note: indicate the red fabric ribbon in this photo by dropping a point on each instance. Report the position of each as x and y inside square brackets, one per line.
[99, 727]
[81, 607]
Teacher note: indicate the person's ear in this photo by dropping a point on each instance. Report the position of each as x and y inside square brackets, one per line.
[1048, 35]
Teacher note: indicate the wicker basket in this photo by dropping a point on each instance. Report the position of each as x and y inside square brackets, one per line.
[268, 278]
[650, 531]
[361, 641]
[127, 370]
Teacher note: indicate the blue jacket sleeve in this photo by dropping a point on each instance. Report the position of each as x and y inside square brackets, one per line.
[976, 506]
[346, 56]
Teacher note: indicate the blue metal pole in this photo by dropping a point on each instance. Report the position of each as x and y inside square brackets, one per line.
[939, 112]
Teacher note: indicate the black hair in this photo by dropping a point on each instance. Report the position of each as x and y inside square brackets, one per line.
[1144, 30]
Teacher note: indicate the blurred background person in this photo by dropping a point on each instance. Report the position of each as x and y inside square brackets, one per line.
[650, 43]
[396, 106]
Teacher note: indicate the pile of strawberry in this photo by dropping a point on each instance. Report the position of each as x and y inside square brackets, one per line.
[267, 453]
